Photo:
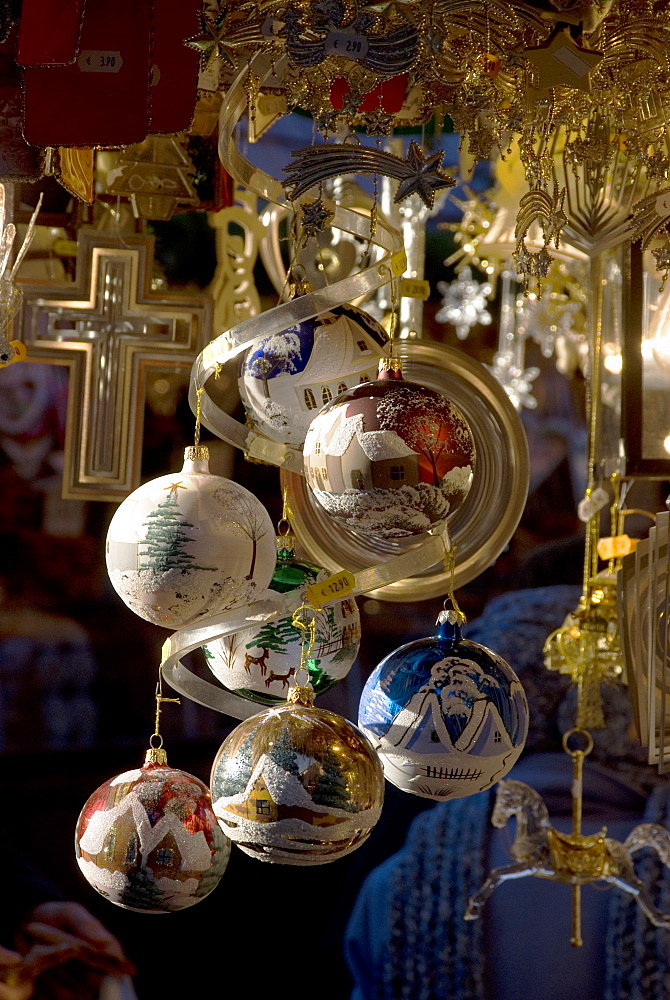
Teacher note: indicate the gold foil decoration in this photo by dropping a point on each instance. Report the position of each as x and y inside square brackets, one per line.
[110, 330]
[155, 175]
[233, 287]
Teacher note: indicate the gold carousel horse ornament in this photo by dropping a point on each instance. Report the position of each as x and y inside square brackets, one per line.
[545, 852]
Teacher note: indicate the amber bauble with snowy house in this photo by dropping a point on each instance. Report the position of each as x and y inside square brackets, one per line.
[297, 785]
[447, 716]
[390, 458]
[260, 663]
[149, 841]
[188, 545]
[288, 377]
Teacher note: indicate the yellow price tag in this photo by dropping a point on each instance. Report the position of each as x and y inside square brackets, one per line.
[334, 587]
[415, 288]
[262, 449]
[20, 353]
[272, 104]
[166, 649]
[398, 263]
[210, 355]
[614, 548]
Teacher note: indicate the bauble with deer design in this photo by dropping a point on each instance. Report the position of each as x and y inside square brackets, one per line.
[390, 458]
[149, 841]
[261, 663]
[286, 378]
[297, 785]
[447, 716]
[188, 545]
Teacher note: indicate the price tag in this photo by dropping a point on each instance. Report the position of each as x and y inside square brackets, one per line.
[346, 43]
[271, 27]
[591, 504]
[97, 61]
[272, 104]
[166, 649]
[415, 288]
[398, 263]
[662, 204]
[20, 353]
[613, 548]
[264, 450]
[337, 586]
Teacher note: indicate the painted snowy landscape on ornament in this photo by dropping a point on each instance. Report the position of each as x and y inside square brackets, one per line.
[261, 663]
[288, 805]
[289, 376]
[444, 726]
[149, 841]
[390, 459]
[182, 547]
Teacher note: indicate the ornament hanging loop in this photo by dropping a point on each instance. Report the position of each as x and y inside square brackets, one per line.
[452, 613]
[304, 619]
[156, 754]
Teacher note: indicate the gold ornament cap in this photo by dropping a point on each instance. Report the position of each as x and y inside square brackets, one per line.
[390, 368]
[301, 695]
[156, 756]
[196, 453]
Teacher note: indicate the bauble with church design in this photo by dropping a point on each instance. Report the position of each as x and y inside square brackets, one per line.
[287, 377]
[390, 458]
[447, 716]
[188, 545]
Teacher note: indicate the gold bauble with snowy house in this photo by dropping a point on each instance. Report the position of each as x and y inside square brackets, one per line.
[390, 458]
[447, 716]
[297, 785]
[149, 841]
[188, 545]
[260, 663]
[286, 378]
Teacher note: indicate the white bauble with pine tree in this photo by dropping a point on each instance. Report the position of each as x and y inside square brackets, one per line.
[297, 785]
[189, 545]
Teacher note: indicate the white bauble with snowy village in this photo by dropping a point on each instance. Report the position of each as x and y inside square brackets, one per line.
[297, 785]
[188, 545]
[286, 378]
[391, 458]
[447, 716]
[148, 840]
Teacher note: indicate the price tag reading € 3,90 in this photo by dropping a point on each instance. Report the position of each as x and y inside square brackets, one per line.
[333, 588]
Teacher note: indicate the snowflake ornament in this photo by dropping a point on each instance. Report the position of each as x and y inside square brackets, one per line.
[464, 303]
[516, 381]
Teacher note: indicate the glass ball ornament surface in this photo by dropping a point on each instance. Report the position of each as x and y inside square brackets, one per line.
[447, 716]
[297, 785]
[288, 377]
[149, 841]
[392, 458]
[260, 663]
[188, 545]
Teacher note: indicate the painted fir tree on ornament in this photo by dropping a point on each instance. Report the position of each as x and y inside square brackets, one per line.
[260, 664]
[148, 839]
[189, 545]
[391, 457]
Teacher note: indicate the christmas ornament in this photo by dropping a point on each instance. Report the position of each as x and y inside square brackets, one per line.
[560, 62]
[109, 321]
[148, 839]
[261, 663]
[539, 849]
[156, 175]
[295, 784]
[447, 716]
[188, 545]
[417, 173]
[390, 457]
[464, 302]
[289, 376]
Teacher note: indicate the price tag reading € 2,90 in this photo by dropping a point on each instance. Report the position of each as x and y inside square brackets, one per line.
[615, 547]
[346, 43]
[333, 588]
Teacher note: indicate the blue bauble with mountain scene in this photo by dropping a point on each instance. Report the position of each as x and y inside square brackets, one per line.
[447, 716]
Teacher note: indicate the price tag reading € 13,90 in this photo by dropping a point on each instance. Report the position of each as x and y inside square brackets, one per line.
[615, 547]
[333, 588]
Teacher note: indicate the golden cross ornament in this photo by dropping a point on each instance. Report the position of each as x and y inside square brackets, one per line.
[110, 329]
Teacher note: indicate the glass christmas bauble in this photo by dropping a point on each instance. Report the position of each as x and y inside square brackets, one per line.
[390, 457]
[289, 376]
[148, 839]
[188, 545]
[447, 716]
[260, 664]
[297, 785]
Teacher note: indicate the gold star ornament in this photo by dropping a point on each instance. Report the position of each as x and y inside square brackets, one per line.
[560, 62]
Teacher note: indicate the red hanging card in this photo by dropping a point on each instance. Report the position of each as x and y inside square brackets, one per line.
[49, 32]
[175, 67]
[102, 99]
[18, 160]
